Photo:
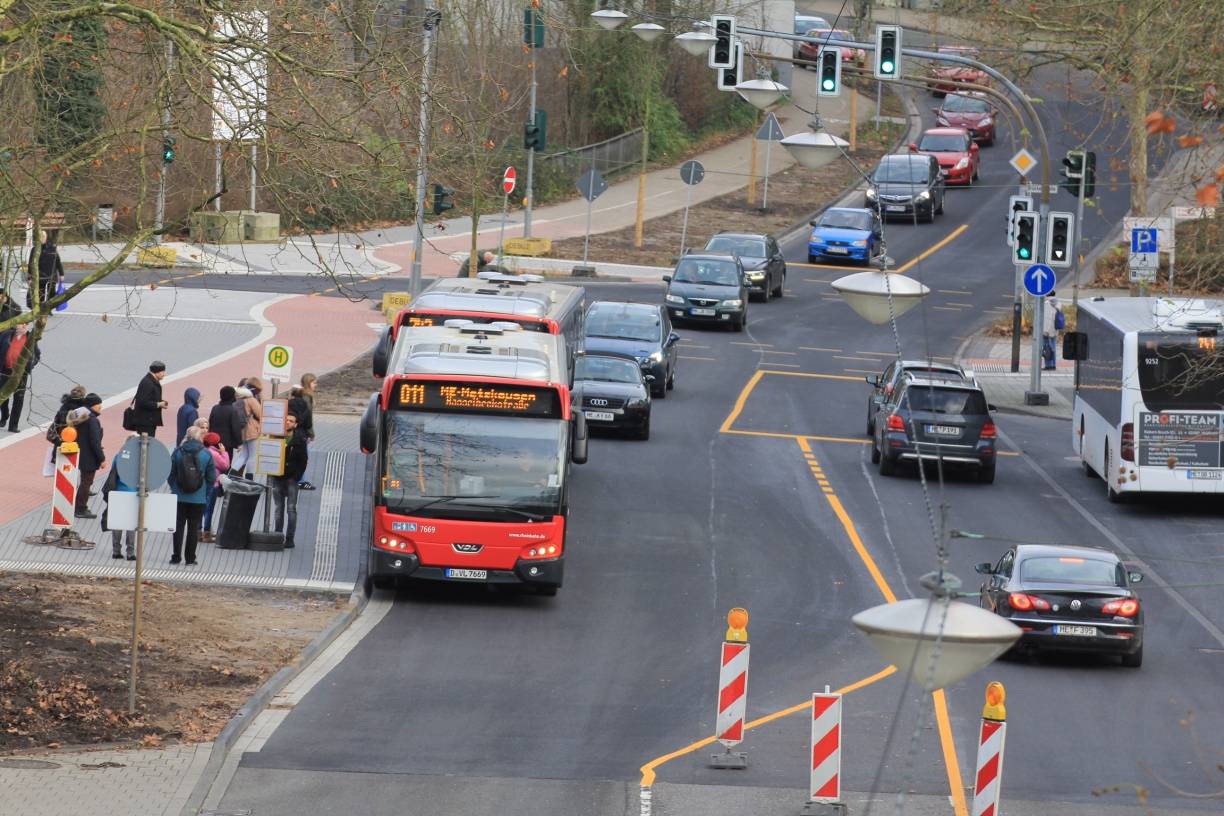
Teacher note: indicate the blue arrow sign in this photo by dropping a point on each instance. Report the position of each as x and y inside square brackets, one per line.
[1039, 280]
[1143, 240]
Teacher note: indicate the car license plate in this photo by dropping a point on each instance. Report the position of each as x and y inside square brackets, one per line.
[837, 250]
[600, 416]
[470, 574]
[943, 430]
[895, 208]
[1204, 474]
[1076, 631]
[703, 312]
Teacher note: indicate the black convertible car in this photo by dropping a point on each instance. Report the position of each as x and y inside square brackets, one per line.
[613, 393]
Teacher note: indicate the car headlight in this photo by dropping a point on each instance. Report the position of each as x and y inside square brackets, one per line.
[656, 357]
[670, 298]
[816, 239]
[871, 194]
[754, 274]
[859, 244]
[987, 122]
[962, 164]
[733, 304]
[942, 121]
[923, 196]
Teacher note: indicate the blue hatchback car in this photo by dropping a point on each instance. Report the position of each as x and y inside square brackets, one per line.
[845, 233]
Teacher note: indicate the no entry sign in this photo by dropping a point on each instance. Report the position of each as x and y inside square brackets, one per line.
[508, 180]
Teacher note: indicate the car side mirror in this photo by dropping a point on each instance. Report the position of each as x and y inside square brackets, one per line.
[578, 451]
[672, 339]
[368, 430]
[648, 378]
[872, 380]
[812, 223]
[1135, 576]
[984, 569]
[1075, 346]
[382, 353]
[913, 147]
[991, 407]
[935, 110]
[973, 147]
[667, 278]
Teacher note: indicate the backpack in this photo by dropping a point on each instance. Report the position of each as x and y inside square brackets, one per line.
[187, 474]
[1060, 319]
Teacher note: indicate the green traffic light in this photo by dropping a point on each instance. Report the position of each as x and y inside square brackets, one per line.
[828, 84]
[886, 66]
[1023, 253]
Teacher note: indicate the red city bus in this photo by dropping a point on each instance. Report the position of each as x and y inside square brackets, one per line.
[472, 437]
[528, 300]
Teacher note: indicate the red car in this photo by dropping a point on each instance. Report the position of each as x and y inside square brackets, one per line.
[956, 152]
[951, 74]
[971, 111]
[811, 50]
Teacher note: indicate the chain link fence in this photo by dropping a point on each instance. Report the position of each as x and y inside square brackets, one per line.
[607, 156]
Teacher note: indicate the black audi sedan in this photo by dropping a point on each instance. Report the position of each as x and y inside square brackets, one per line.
[613, 393]
[1076, 599]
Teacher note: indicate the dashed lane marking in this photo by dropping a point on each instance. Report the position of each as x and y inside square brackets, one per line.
[817, 348]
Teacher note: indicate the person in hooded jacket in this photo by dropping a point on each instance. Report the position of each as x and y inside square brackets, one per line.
[187, 414]
[73, 399]
[227, 420]
[92, 457]
[191, 502]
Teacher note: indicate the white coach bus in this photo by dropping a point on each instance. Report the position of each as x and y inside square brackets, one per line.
[1149, 393]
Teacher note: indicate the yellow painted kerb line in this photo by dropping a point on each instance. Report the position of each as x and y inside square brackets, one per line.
[952, 236]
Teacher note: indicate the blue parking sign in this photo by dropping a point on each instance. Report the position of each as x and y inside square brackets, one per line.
[1143, 240]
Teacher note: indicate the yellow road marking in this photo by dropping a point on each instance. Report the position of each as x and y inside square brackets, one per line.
[773, 435]
[176, 279]
[955, 784]
[861, 371]
[809, 374]
[949, 238]
[846, 269]
[739, 402]
[817, 348]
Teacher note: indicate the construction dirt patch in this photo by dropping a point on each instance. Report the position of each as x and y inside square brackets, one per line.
[347, 390]
[64, 657]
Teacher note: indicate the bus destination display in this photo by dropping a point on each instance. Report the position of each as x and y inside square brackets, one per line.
[418, 319]
[476, 398]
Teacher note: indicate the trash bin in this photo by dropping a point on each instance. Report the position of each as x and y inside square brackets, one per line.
[237, 512]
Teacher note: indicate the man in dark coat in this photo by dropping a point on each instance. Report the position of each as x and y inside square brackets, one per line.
[8, 309]
[92, 457]
[285, 486]
[227, 420]
[148, 403]
[15, 344]
[49, 267]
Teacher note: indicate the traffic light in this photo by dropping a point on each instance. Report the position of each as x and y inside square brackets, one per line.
[441, 201]
[888, 52]
[1059, 240]
[829, 65]
[167, 150]
[533, 28]
[1026, 237]
[535, 134]
[728, 78]
[1072, 171]
[722, 55]
[1015, 204]
[1089, 174]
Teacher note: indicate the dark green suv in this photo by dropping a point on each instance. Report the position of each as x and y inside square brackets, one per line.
[708, 288]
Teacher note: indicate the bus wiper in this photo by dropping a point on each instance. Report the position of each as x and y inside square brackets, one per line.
[439, 500]
[505, 508]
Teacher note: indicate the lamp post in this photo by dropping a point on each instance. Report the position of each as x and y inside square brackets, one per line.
[433, 19]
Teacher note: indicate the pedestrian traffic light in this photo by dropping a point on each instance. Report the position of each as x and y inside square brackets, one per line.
[722, 55]
[888, 52]
[533, 27]
[1015, 204]
[1026, 236]
[1089, 174]
[167, 150]
[441, 199]
[829, 65]
[1059, 239]
[1073, 171]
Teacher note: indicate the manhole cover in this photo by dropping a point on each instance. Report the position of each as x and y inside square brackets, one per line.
[27, 764]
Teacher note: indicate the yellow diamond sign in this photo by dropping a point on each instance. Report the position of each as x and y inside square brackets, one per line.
[1023, 161]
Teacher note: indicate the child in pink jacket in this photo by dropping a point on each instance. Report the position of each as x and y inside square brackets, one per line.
[221, 460]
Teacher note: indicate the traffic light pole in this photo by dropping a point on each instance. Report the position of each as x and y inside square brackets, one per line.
[530, 191]
[433, 18]
[159, 218]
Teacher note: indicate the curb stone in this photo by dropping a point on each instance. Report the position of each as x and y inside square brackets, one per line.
[264, 694]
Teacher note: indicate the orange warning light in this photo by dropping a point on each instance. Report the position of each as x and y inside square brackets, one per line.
[68, 434]
[737, 625]
[995, 697]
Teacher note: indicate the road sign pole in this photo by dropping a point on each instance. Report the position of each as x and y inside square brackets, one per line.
[1017, 319]
[501, 236]
[586, 241]
[531, 117]
[688, 202]
[1035, 396]
[765, 195]
[142, 493]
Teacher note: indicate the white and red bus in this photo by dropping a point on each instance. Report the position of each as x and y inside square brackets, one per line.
[472, 437]
[1149, 398]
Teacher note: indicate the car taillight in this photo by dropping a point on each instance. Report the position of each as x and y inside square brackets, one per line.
[895, 423]
[1122, 607]
[989, 431]
[1128, 442]
[1027, 603]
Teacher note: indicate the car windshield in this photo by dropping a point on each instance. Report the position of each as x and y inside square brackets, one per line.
[965, 104]
[489, 468]
[943, 142]
[945, 400]
[846, 220]
[901, 172]
[607, 369]
[624, 324]
[1071, 570]
[710, 272]
[737, 245]
[805, 24]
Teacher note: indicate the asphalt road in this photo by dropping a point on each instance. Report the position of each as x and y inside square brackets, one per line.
[462, 700]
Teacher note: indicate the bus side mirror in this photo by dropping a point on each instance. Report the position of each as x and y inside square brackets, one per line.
[1075, 346]
[578, 455]
[382, 353]
[369, 426]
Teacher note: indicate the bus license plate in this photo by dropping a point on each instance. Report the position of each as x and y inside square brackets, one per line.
[600, 416]
[703, 312]
[1204, 474]
[1077, 631]
[469, 574]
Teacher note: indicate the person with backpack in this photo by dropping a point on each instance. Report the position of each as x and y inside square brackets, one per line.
[1052, 322]
[191, 472]
[73, 399]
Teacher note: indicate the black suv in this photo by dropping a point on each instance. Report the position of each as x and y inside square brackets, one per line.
[907, 184]
[710, 288]
[762, 259]
[883, 385]
[932, 418]
[638, 330]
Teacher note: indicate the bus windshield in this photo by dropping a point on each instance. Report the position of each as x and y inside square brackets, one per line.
[1177, 373]
[472, 466]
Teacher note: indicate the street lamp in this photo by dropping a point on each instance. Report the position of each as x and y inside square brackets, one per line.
[609, 19]
[648, 32]
[868, 294]
[696, 42]
[762, 94]
[937, 640]
[815, 149]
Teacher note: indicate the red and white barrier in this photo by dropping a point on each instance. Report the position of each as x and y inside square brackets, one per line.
[63, 493]
[989, 768]
[825, 783]
[732, 694]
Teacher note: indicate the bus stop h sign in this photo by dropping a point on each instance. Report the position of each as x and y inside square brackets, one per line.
[278, 362]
